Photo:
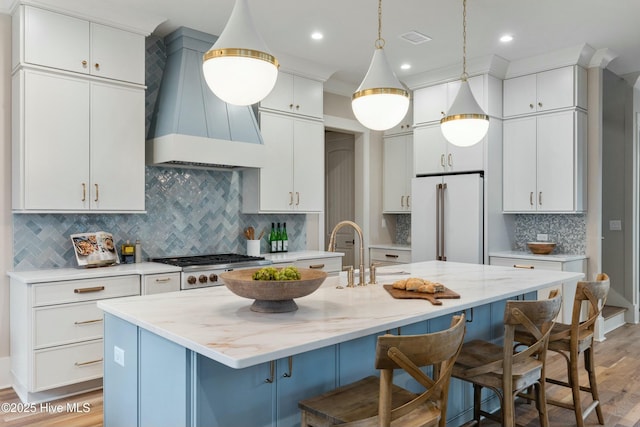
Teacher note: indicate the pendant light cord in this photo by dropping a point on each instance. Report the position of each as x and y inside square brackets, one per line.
[465, 76]
[380, 41]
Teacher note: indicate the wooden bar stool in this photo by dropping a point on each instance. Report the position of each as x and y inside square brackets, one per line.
[373, 402]
[572, 340]
[507, 373]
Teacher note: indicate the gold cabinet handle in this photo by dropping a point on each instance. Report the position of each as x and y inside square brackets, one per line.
[531, 198]
[291, 106]
[402, 201]
[391, 255]
[290, 198]
[528, 267]
[408, 204]
[88, 290]
[442, 160]
[91, 362]
[96, 66]
[540, 198]
[84, 191]
[289, 374]
[531, 106]
[317, 266]
[272, 372]
[87, 322]
[450, 160]
[297, 107]
[97, 193]
[165, 280]
[297, 198]
[540, 104]
[84, 64]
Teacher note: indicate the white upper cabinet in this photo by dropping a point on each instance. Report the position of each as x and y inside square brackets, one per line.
[546, 91]
[55, 40]
[544, 161]
[433, 154]
[296, 95]
[430, 104]
[397, 173]
[405, 125]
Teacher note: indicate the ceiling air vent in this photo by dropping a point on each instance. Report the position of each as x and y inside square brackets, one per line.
[415, 37]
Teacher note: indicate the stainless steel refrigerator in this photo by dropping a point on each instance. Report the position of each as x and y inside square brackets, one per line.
[447, 218]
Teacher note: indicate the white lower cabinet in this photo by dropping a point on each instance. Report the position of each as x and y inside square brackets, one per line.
[568, 290]
[160, 283]
[331, 265]
[389, 256]
[57, 333]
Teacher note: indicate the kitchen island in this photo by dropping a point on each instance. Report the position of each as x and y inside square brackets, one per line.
[203, 358]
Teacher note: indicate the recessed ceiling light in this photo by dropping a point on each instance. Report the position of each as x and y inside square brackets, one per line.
[405, 66]
[506, 38]
[317, 35]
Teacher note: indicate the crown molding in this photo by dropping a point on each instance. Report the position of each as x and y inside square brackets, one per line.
[574, 55]
[303, 67]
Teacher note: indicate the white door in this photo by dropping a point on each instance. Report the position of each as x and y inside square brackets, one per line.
[117, 148]
[56, 111]
[519, 165]
[463, 218]
[555, 89]
[340, 192]
[117, 54]
[519, 95]
[276, 177]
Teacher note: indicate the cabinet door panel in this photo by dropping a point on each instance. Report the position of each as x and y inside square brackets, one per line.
[519, 95]
[118, 54]
[276, 183]
[519, 165]
[429, 146]
[555, 89]
[307, 97]
[308, 165]
[394, 187]
[281, 97]
[56, 133]
[430, 104]
[117, 148]
[556, 162]
[465, 159]
[56, 40]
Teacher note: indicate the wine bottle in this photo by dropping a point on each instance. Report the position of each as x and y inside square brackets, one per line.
[285, 238]
[279, 239]
[273, 238]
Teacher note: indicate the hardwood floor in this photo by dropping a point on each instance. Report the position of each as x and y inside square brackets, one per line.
[617, 364]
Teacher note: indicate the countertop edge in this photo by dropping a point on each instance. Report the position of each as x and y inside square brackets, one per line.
[61, 274]
[531, 256]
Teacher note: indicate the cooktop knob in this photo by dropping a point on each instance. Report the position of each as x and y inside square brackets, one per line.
[202, 278]
[191, 280]
[213, 277]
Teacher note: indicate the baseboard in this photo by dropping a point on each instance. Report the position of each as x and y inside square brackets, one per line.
[5, 372]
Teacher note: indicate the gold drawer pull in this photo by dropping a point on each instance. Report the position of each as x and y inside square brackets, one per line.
[317, 266]
[91, 362]
[165, 280]
[87, 322]
[528, 267]
[87, 290]
[391, 255]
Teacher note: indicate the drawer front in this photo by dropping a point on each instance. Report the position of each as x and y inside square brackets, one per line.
[66, 365]
[85, 290]
[66, 324]
[330, 265]
[526, 263]
[159, 283]
[389, 256]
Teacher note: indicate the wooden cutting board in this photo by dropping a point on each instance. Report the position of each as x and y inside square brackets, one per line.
[433, 298]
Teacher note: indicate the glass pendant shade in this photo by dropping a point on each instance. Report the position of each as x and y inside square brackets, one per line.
[239, 68]
[381, 101]
[466, 123]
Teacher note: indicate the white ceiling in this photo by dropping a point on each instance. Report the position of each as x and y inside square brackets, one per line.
[350, 29]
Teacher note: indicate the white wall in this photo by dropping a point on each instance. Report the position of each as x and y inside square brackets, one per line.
[6, 235]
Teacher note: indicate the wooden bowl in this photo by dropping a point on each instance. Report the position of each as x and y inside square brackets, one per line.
[273, 296]
[541, 248]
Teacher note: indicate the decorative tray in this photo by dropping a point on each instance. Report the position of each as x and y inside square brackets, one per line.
[433, 298]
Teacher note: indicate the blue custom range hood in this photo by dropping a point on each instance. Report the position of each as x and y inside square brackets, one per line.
[190, 126]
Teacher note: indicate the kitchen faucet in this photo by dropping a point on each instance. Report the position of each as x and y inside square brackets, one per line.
[332, 245]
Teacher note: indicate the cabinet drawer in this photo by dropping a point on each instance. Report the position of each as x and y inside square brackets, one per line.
[70, 364]
[526, 263]
[66, 324]
[330, 265]
[389, 256]
[159, 283]
[85, 290]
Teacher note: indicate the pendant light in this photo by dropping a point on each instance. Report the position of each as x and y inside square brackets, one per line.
[381, 101]
[466, 123]
[239, 68]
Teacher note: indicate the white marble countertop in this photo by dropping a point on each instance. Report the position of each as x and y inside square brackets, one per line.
[529, 255]
[280, 257]
[394, 246]
[219, 325]
[59, 274]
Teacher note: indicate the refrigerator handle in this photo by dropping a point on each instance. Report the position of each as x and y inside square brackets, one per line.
[443, 257]
[438, 190]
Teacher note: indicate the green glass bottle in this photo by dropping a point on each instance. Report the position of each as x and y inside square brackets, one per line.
[273, 238]
[278, 239]
[284, 238]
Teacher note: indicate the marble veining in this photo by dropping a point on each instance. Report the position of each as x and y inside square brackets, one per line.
[219, 325]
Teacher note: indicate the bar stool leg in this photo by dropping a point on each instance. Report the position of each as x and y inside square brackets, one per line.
[589, 365]
[541, 405]
[575, 387]
[477, 401]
